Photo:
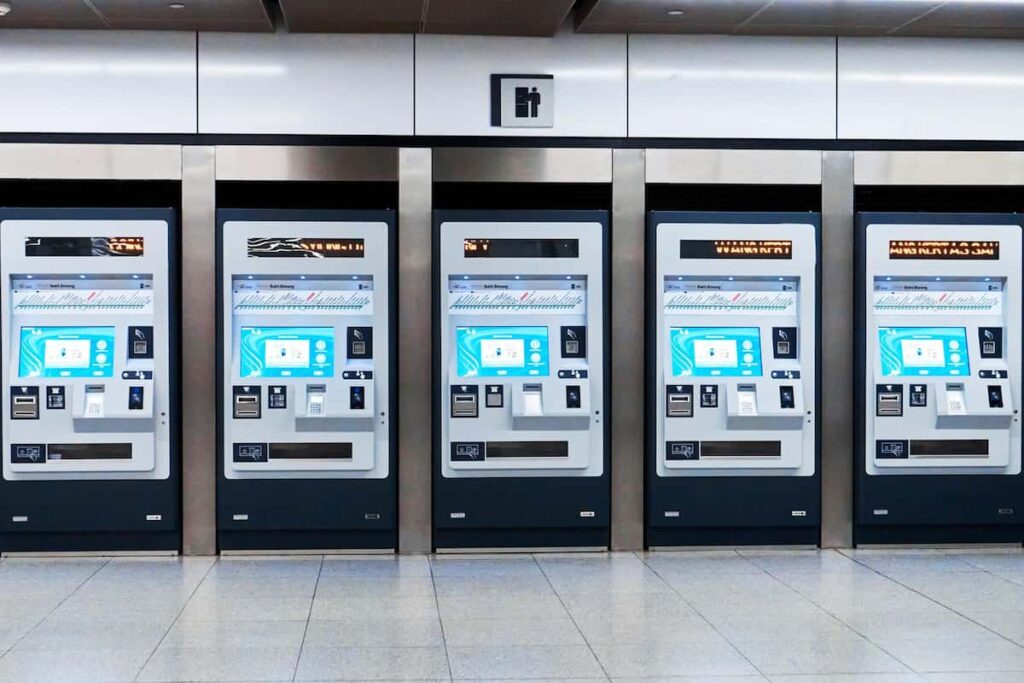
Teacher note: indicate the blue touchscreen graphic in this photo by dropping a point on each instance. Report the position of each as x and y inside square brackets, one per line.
[287, 352]
[502, 351]
[920, 351]
[716, 351]
[66, 352]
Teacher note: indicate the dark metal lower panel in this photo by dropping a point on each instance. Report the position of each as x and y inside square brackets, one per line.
[939, 509]
[521, 512]
[521, 538]
[734, 510]
[90, 515]
[62, 542]
[296, 539]
[732, 536]
[304, 513]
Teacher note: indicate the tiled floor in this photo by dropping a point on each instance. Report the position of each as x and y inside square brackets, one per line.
[883, 616]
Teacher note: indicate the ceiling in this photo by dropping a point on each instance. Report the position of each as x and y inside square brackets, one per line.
[970, 18]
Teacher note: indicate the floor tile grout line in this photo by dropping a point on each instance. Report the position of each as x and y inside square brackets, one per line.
[440, 621]
[55, 607]
[840, 620]
[176, 617]
[568, 612]
[933, 600]
[309, 617]
[701, 614]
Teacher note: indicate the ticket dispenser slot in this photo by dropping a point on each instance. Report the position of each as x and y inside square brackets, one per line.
[938, 407]
[521, 453]
[732, 341]
[306, 310]
[90, 428]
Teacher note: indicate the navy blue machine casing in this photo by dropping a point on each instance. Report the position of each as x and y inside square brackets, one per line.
[289, 514]
[96, 514]
[726, 510]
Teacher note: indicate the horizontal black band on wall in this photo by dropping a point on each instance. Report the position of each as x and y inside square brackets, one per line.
[505, 141]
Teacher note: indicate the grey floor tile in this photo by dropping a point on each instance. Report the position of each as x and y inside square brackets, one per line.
[376, 663]
[531, 631]
[486, 566]
[700, 563]
[80, 666]
[982, 654]
[390, 632]
[247, 609]
[789, 562]
[265, 567]
[534, 661]
[672, 659]
[26, 609]
[337, 607]
[848, 678]
[454, 586]
[882, 628]
[639, 629]
[93, 635]
[376, 566]
[819, 657]
[235, 634]
[782, 627]
[688, 679]
[375, 587]
[232, 587]
[976, 677]
[13, 630]
[506, 606]
[625, 605]
[220, 664]
[1007, 623]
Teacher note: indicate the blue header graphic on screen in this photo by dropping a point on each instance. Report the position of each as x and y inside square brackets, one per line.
[287, 352]
[923, 351]
[502, 351]
[66, 352]
[716, 351]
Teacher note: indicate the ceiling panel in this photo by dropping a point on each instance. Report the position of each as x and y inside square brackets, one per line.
[652, 16]
[196, 15]
[840, 13]
[968, 14]
[69, 14]
[497, 17]
[352, 16]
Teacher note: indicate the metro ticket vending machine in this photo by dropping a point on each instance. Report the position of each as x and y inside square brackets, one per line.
[88, 348]
[307, 380]
[521, 458]
[939, 305]
[733, 378]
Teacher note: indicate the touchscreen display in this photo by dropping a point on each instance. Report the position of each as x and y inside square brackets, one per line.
[502, 351]
[918, 351]
[66, 352]
[716, 351]
[287, 352]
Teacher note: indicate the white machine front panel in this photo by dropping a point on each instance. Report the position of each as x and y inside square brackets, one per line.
[522, 356]
[736, 354]
[943, 343]
[305, 349]
[85, 349]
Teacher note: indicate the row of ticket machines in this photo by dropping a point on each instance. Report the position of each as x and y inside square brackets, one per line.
[90, 350]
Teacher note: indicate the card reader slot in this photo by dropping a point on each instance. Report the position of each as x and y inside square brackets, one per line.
[890, 404]
[311, 451]
[740, 449]
[527, 449]
[25, 407]
[948, 448]
[89, 451]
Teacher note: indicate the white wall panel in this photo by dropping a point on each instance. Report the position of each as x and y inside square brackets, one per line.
[453, 89]
[97, 82]
[924, 89]
[731, 87]
[315, 84]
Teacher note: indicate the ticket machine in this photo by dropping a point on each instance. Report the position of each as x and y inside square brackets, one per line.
[88, 342]
[521, 458]
[306, 391]
[939, 456]
[732, 386]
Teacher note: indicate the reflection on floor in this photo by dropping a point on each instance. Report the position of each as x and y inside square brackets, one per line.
[879, 615]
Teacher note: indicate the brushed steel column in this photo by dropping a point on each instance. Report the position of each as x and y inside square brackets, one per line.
[198, 351]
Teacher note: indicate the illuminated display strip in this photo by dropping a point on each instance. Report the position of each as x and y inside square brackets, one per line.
[938, 303]
[518, 301]
[308, 302]
[87, 301]
[944, 250]
[735, 303]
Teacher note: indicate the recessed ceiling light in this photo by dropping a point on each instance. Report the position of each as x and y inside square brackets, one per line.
[5, 9]
[675, 12]
[176, 5]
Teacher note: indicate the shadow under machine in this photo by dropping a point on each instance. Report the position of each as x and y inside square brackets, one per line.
[89, 372]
